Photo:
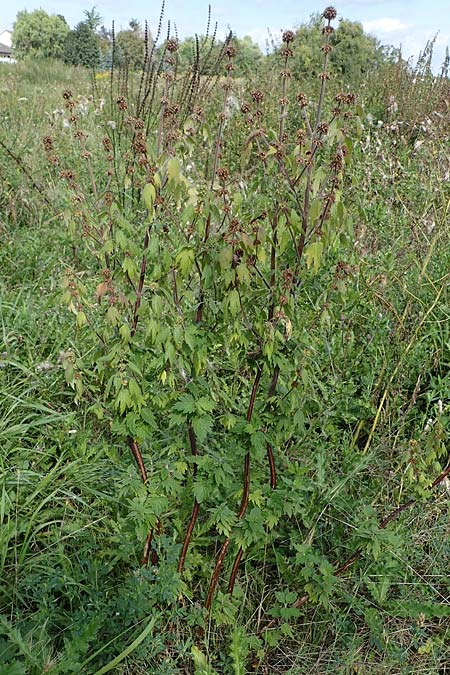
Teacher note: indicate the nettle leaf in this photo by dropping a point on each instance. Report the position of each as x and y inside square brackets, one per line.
[200, 490]
[233, 301]
[185, 260]
[225, 257]
[81, 319]
[205, 404]
[223, 518]
[112, 315]
[186, 404]
[173, 170]
[149, 196]
[313, 255]
[202, 426]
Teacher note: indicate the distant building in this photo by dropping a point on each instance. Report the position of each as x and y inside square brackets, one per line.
[6, 46]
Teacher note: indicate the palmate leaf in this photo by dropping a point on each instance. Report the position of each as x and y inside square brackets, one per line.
[202, 425]
[186, 404]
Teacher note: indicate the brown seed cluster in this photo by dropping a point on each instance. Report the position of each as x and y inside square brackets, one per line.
[172, 45]
[107, 145]
[122, 103]
[48, 143]
[348, 99]
[288, 36]
[230, 51]
[223, 174]
[302, 100]
[67, 174]
[257, 96]
[329, 13]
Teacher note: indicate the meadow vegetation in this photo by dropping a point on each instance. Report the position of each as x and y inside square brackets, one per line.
[224, 363]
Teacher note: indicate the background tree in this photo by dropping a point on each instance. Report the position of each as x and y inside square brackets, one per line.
[354, 51]
[131, 46]
[82, 47]
[93, 18]
[248, 57]
[39, 34]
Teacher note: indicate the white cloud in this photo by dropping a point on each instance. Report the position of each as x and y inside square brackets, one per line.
[365, 3]
[385, 24]
[264, 36]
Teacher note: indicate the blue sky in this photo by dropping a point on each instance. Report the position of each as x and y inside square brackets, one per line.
[393, 22]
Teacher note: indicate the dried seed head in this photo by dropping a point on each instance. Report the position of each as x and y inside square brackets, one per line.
[107, 145]
[287, 52]
[288, 36]
[245, 108]
[302, 99]
[324, 76]
[172, 45]
[230, 51]
[327, 30]
[48, 143]
[122, 103]
[223, 174]
[322, 128]
[301, 136]
[67, 94]
[329, 13]
[67, 174]
[257, 96]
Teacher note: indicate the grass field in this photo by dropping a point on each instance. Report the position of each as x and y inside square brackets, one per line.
[174, 351]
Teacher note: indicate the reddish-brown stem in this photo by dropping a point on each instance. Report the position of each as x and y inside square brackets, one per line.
[135, 450]
[196, 507]
[237, 562]
[388, 519]
[251, 404]
[187, 538]
[215, 576]
[273, 471]
[441, 477]
[146, 552]
[140, 289]
[244, 501]
[273, 484]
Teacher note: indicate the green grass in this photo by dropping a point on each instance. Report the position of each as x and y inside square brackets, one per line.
[74, 598]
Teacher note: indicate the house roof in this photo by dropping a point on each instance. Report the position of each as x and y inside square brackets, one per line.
[4, 49]
[6, 38]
